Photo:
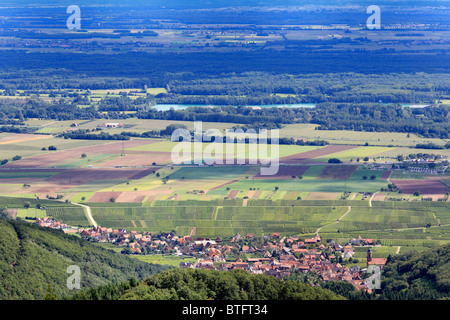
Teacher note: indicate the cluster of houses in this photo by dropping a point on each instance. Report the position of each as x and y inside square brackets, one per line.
[276, 255]
[280, 258]
[51, 223]
[111, 125]
[273, 254]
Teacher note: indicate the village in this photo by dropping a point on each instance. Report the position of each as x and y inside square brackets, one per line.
[272, 254]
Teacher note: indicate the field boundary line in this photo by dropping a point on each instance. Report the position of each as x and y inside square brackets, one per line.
[370, 200]
[338, 220]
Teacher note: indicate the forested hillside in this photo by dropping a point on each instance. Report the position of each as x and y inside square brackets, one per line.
[201, 284]
[34, 261]
[408, 276]
[414, 275]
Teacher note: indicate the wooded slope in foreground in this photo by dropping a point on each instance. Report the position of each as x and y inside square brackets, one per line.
[34, 261]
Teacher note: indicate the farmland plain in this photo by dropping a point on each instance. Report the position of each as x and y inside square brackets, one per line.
[133, 184]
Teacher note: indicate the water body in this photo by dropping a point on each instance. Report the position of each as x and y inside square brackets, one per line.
[165, 107]
[415, 105]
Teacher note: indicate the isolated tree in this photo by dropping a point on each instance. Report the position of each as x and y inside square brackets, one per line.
[334, 160]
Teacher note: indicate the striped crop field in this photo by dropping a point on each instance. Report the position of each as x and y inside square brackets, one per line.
[220, 220]
[360, 152]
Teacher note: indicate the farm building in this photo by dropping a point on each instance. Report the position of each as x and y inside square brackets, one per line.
[112, 125]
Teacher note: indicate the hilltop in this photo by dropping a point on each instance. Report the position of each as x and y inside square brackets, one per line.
[415, 275]
[34, 261]
[201, 284]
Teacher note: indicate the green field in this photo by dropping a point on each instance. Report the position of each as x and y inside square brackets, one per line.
[303, 130]
[360, 173]
[312, 172]
[400, 175]
[170, 260]
[220, 173]
[224, 220]
[73, 216]
[27, 174]
[31, 213]
[34, 147]
[396, 225]
[311, 185]
[353, 154]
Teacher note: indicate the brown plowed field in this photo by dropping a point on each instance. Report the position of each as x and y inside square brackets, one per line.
[12, 212]
[285, 172]
[379, 197]
[322, 196]
[104, 196]
[434, 197]
[233, 194]
[22, 138]
[304, 156]
[386, 175]
[83, 176]
[225, 184]
[431, 187]
[58, 157]
[337, 172]
[139, 196]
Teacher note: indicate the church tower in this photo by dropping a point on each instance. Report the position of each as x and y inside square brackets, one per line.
[369, 255]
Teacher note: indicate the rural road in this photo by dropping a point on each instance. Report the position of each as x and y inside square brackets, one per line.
[88, 212]
[349, 209]
[370, 200]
